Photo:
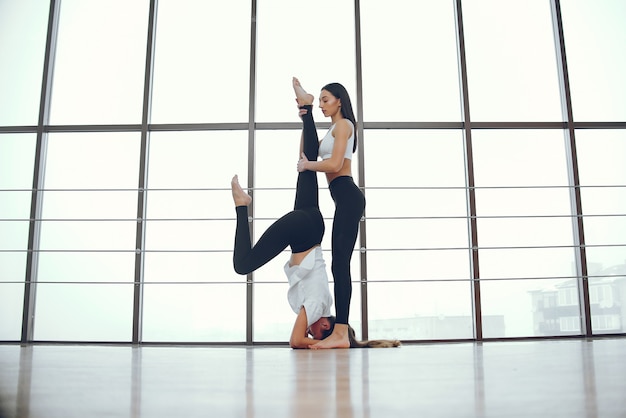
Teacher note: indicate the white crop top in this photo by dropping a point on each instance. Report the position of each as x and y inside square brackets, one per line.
[327, 143]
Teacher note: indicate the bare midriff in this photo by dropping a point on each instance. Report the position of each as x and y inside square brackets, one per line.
[346, 170]
[296, 258]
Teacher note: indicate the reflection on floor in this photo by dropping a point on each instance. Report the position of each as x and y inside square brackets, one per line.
[539, 378]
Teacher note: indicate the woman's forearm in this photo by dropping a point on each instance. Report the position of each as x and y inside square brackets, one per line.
[302, 342]
[324, 166]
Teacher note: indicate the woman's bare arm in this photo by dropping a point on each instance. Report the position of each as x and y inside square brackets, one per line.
[334, 164]
[299, 337]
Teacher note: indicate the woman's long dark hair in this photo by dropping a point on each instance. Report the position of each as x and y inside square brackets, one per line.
[354, 343]
[340, 92]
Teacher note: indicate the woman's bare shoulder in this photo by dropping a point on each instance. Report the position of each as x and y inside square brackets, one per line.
[343, 127]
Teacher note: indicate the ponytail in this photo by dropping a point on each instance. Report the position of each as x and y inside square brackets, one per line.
[354, 343]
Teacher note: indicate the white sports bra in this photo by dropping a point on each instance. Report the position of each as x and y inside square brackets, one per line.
[327, 143]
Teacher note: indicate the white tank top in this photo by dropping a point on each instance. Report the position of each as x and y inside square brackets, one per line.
[327, 143]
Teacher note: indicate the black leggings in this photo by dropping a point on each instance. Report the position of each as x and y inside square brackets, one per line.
[300, 229]
[349, 207]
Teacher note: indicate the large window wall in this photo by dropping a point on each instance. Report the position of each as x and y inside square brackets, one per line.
[492, 154]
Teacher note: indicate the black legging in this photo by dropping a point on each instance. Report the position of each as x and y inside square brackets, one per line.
[349, 207]
[300, 229]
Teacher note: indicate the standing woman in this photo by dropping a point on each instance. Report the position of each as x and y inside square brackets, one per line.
[335, 150]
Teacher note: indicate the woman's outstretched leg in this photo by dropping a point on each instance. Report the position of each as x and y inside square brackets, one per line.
[307, 191]
[274, 240]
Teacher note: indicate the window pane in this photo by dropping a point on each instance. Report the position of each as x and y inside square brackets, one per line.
[100, 62]
[519, 158]
[88, 236]
[601, 158]
[514, 263]
[602, 168]
[428, 180]
[88, 205]
[550, 202]
[281, 27]
[594, 31]
[409, 59]
[197, 160]
[420, 311]
[78, 312]
[190, 229]
[525, 162]
[605, 231]
[85, 267]
[417, 233]
[524, 201]
[192, 235]
[605, 295]
[14, 244]
[420, 201]
[200, 266]
[198, 77]
[273, 317]
[531, 307]
[194, 313]
[17, 152]
[523, 232]
[390, 265]
[511, 61]
[23, 26]
[406, 215]
[604, 200]
[16, 177]
[189, 237]
[422, 158]
[11, 306]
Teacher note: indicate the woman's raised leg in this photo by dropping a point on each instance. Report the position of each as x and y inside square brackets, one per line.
[280, 235]
[307, 190]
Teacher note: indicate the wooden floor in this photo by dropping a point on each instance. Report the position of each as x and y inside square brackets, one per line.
[539, 378]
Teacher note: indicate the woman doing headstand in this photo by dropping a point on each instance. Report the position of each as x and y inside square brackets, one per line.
[302, 229]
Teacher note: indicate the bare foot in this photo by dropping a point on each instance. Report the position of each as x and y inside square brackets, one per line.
[240, 197]
[338, 339]
[302, 97]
